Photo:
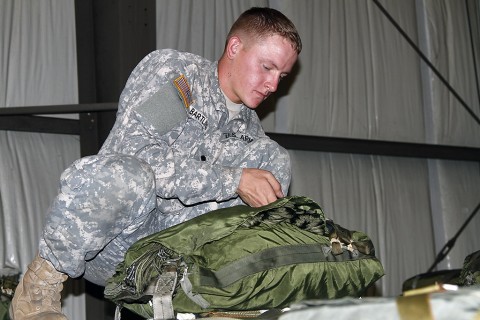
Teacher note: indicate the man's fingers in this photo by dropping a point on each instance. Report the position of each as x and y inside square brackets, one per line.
[259, 187]
[276, 186]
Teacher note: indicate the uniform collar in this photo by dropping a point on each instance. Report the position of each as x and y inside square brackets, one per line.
[223, 106]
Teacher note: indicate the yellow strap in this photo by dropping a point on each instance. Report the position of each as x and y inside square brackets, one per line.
[414, 307]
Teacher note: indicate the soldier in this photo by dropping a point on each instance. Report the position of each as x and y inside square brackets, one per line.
[186, 141]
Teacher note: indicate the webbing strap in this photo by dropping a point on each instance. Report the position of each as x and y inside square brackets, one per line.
[187, 289]
[273, 258]
[118, 313]
[162, 294]
[414, 307]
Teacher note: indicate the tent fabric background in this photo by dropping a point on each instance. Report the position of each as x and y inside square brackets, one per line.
[357, 77]
[37, 67]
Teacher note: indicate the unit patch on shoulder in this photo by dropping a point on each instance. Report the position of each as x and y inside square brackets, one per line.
[164, 109]
[183, 89]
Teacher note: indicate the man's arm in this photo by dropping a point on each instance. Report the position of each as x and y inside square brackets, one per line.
[189, 180]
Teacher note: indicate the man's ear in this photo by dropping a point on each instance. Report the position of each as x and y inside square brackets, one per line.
[233, 46]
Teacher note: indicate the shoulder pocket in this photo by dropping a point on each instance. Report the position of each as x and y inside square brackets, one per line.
[164, 110]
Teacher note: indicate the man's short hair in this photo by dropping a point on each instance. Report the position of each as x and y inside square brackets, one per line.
[259, 23]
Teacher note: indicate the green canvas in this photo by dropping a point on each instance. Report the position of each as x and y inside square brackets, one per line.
[244, 258]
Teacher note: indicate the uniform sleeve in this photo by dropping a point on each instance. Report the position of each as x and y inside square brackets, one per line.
[189, 180]
[177, 176]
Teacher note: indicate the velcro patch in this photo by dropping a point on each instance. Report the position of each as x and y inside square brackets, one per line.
[164, 109]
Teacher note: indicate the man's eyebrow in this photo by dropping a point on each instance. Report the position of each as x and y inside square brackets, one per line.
[274, 65]
[284, 73]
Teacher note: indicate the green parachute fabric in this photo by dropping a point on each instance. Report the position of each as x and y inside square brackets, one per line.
[244, 258]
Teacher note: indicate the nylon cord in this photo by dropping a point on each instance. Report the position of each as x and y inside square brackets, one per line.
[449, 245]
[425, 59]
[467, 8]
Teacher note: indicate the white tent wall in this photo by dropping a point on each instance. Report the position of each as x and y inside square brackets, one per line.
[371, 84]
[37, 67]
[360, 69]
[357, 77]
[449, 37]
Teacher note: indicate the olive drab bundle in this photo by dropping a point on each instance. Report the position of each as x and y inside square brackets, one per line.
[243, 258]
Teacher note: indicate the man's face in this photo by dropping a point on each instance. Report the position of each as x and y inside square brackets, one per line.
[258, 68]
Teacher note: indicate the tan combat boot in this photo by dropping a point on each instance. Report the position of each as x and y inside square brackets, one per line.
[38, 294]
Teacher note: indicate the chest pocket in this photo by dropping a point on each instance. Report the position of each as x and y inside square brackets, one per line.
[222, 147]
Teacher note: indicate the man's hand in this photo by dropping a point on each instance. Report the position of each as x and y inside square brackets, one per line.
[258, 187]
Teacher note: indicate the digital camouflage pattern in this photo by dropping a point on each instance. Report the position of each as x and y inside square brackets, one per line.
[144, 180]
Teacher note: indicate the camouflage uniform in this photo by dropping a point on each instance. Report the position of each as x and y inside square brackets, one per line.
[150, 175]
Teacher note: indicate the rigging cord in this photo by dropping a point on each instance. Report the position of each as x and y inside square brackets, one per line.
[449, 245]
[425, 59]
[467, 8]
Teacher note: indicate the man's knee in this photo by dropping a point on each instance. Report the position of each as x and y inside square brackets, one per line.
[103, 173]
